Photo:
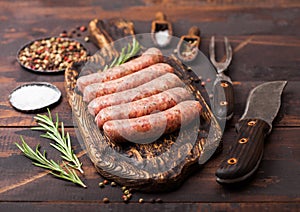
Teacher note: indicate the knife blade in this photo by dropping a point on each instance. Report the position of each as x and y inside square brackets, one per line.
[246, 152]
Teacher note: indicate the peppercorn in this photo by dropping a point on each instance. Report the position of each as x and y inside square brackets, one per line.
[101, 185]
[152, 200]
[63, 35]
[48, 54]
[105, 200]
[82, 28]
[158, 200]
[113, 184]
[129, 195]
[105, 182]
[141, 200]
[125, 198]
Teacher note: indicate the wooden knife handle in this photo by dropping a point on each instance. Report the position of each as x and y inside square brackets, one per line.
[245, 153]
[223, 98]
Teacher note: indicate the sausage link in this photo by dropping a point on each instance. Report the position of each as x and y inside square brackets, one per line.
[149, 57]
[124, 83]
[145, 106]
[146, 129]
[155, 86]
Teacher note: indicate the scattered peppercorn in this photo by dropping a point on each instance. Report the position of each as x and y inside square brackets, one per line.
[64, 35]
[86, 39]
[129, 195]
[101, 185]
[125, 198]
[158, 200]
[203, 83]
[51, 54]
[152, 200]
[82, 28]
[105, 200]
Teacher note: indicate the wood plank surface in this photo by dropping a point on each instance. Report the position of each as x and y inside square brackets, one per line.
[192, 207]
[274, 180]
[265, 36]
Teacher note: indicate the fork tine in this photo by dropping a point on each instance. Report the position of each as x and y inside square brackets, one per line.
[228, 51]
[212, 51]
[220, 66]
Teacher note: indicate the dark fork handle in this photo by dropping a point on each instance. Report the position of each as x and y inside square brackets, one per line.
[223, 98]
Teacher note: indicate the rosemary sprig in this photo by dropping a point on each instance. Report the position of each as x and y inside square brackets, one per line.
[41, 161]
[126, 53]
[62, 140]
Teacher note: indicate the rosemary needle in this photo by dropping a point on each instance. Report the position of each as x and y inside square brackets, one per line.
[126, 53]
[62, 140]
[41, 161]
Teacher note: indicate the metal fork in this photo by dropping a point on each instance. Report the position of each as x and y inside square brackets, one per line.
[223, 99]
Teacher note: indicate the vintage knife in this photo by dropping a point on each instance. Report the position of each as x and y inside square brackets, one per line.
[246, 152]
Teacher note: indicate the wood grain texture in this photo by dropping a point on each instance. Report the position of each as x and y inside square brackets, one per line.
[274, 180]
[265, 39]
[192, 207]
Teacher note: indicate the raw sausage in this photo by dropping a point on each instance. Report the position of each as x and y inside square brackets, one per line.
[146, 129]
[155, 86]
[149, 57]
[124, 83]
[145, 106]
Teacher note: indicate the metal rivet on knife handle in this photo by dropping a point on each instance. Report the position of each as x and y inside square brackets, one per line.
[243, 140]
[232, 161]
[224, 84]
[251, 123]
[223, 103]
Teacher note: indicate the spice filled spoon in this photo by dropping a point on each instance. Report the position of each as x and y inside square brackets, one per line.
[187, 48]
[161, 30]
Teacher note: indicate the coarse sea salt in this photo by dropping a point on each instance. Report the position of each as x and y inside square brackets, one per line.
[34, 96]
[162, 37]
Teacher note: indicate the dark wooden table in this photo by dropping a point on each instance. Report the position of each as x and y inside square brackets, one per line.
[265, 36]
